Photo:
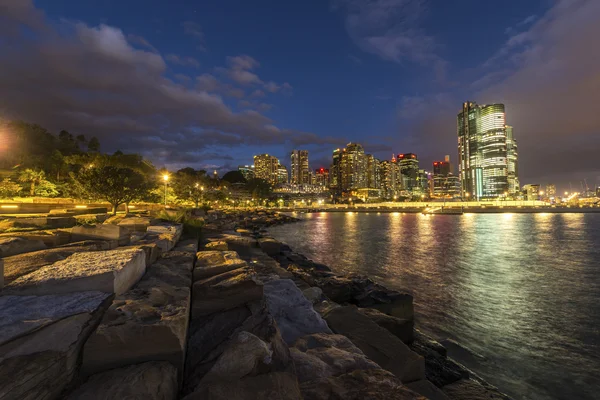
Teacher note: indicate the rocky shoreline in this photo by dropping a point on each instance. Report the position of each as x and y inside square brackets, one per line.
[132, 311]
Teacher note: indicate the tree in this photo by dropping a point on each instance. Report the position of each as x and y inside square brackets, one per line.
[46, 189]
[234, 177]
[259, 188]
[189, 185]
[8, 188]
[32, 177]
[93, 145]
[114, 184]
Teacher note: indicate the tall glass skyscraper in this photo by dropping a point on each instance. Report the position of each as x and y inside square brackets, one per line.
[483, 152]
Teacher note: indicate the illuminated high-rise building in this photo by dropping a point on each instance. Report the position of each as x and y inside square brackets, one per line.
[372, 172]
[482, 151]
[391, 181]
[266, 167]
[335, 178]
[300, 169]
[441, 168]
[322, 177]
[247, 171]
[282, 174]
[551, 190]
[512, 162]
[353, 166]
[409, 169]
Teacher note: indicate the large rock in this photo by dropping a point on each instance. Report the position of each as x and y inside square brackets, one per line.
[293, 312]
[188, 246]
[361, 291]
[146, 381]
[217, 245]
[439, 369]
[239, 373]
[41, 339]
[403, 329]
[26, 263]
[45, 222]
[375, 384]
[322, 355]
[113, 271]
[148, 322]
[51, 238]
[210, 263]
[174, 229]
[1, 273]
[135, 224]
[377, 343]
[271, 246]
[9, 246]
[468, 389]
[225, 291]
[427, 389]
[102, 232]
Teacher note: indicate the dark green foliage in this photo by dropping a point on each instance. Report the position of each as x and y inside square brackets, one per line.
[234, 177]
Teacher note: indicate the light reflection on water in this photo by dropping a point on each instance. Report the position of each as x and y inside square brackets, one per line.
[521, 292]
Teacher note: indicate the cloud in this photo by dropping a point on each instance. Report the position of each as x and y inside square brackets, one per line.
[194, 30]
[548, 77]
[141, 41]
[183, 61]
[93, 80]
[390, 30]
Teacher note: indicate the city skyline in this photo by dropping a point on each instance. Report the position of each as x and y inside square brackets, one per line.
[185, 89]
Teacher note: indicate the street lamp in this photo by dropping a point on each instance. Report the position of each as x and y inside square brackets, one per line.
[166, 179]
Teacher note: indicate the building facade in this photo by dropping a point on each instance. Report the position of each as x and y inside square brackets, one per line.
[300, 172]
[282, 175]
[512, 157]
[391, 180]
[247, 171]
[409, 169]
[266, 167]
[483, 152]
[322, 177]
[335, 172]
[353, 166]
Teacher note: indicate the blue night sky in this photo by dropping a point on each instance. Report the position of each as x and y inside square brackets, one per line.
[211, 83]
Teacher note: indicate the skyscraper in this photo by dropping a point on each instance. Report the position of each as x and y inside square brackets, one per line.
[372, 172]
[300, 170]
[409, 169]
[512, 158]
[247, 171]
[282, 174]
[441, 168]
[335, 178]
[353, 166]
[322, 177]
[266, 167]
[391, 181]
[482, 151]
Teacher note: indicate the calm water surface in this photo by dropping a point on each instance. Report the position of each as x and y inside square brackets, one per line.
[520, 294]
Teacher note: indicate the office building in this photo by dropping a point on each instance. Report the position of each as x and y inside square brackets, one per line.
[335, 178]
[373, 177]
[353, 167]
[409, 169]
[550, 191]
[322, 177]
[300, 174]
[282, 175]
[482, 151]
[391, 180]
[512, 162]
[441, 168]
[247, 171]
[531, 191]
[266, 167]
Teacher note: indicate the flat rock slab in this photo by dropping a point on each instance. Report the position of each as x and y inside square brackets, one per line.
[138, 224]
[101, 231]
[148, 322]
[112, 271]
[210, 263]
[294, 314]
[377, 343]
[403, 329]
[225, 291]
[188, 246]
[26, 263]
[10, 246]
[359, 385]
[427, 389]
[42, 341]
[1, 273]
[217, 245]
[147, 381]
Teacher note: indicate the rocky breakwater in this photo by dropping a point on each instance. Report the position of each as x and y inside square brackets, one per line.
[380, 322]
[97, 320]
[246, 222]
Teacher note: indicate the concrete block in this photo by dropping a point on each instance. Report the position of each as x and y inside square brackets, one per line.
[102, 232]
[10, 246]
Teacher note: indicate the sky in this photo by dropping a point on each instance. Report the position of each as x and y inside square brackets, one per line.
[210, 83]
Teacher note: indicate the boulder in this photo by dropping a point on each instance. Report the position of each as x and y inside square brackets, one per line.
[427, 389]
[41, 337]
[403, 329]
[293, 312]
[225, 291]
[148, 322]
[1, 273]
[147, 381]
[26, 263]
[51, 238]
[174, 229]
[187, 246]
[45, 222]
[439, 369]
[90, 219]
[135, 224]
[216, 245]
[10, 246]
[245, 370]
[102, 232]
[359, 385]
[313, 294]
[151, 251]
[323, 355]
[210, 263]
[468, 389]
[377, 343]
[112, 271]
[270, 246]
